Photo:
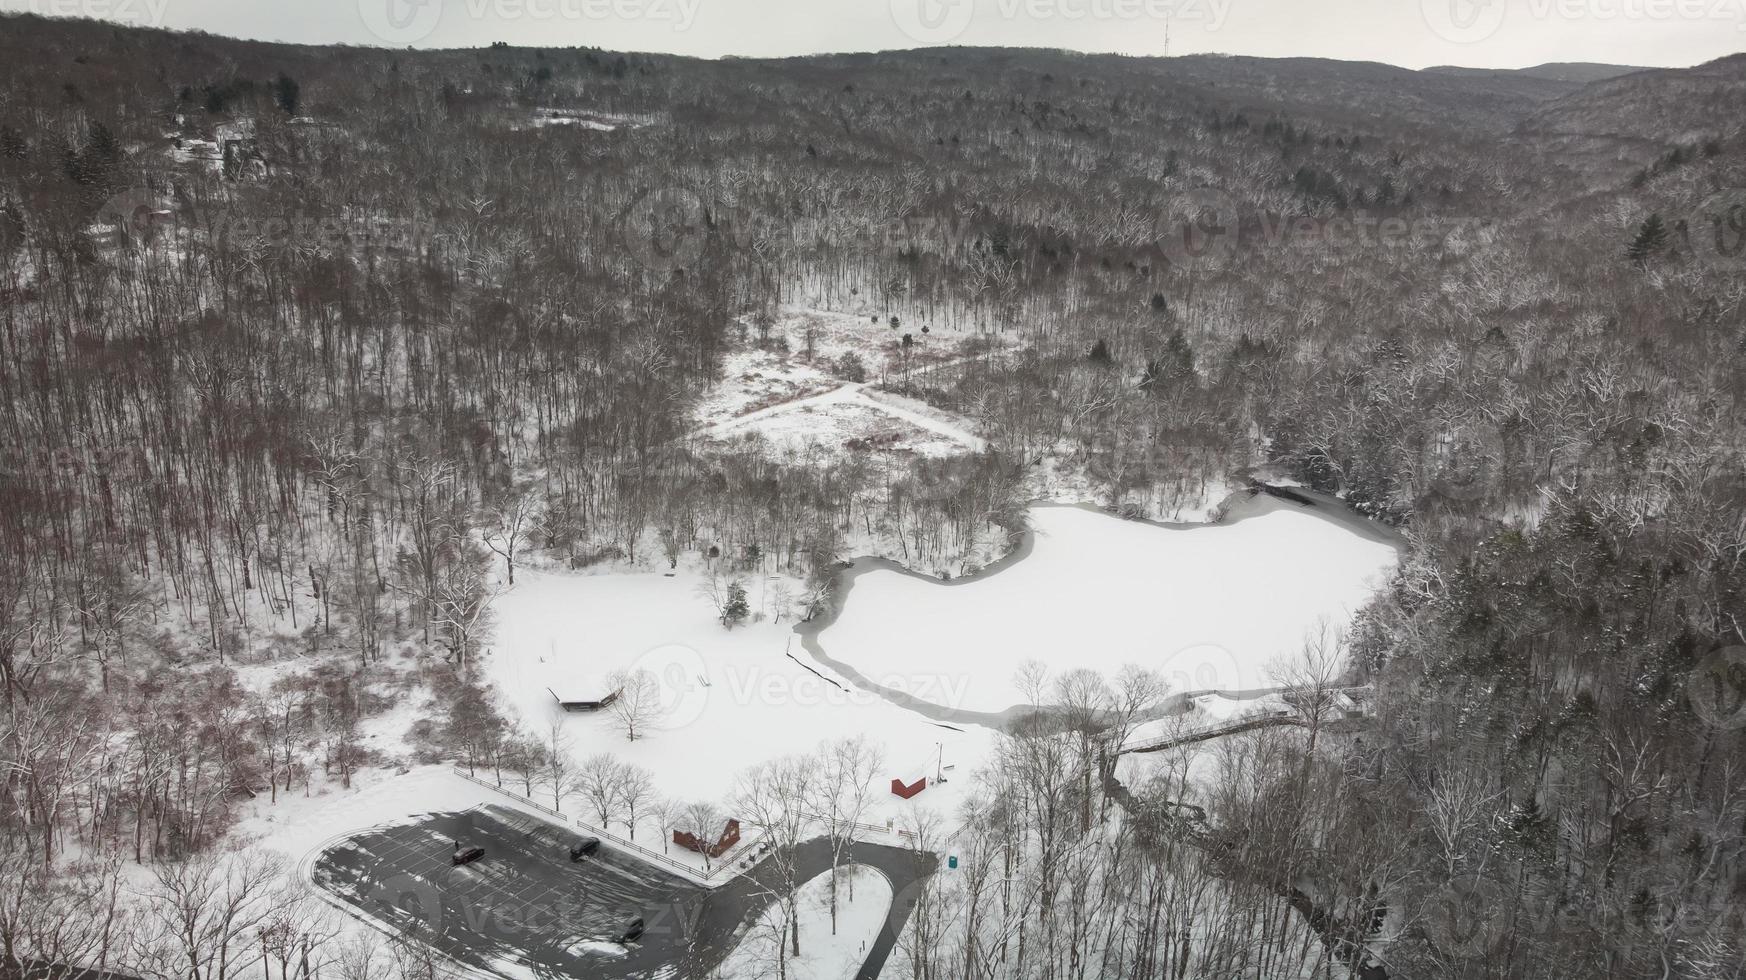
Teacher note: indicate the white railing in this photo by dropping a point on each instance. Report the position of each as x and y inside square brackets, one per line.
[722, 865]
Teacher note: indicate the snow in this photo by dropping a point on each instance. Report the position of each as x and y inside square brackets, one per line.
[1208, 711]
[578, 686]
[730, 699]
[823, 956]
[1209, 607]
[850, 417]
[601, 122]
[299, 824]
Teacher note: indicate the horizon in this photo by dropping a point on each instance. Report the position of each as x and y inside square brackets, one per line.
[1506, 35]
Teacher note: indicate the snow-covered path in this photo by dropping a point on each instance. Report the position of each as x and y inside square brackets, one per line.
[895, 406]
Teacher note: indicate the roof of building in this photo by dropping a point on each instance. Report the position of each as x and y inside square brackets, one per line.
[579, 687]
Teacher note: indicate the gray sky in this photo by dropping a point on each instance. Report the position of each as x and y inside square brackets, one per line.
[1412, 33]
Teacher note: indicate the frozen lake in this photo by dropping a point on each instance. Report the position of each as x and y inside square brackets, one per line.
[1208, 606]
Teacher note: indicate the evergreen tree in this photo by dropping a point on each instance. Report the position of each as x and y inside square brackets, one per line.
[287, 93]
[1651, 238]
[736, 609]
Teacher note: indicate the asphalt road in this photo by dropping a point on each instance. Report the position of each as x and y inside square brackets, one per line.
[525, 902]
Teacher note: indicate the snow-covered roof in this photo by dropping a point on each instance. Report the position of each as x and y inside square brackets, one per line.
[579, 687]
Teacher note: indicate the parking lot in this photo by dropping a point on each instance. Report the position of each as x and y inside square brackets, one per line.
[525, 902]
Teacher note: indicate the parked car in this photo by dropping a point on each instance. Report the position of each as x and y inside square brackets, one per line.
[632, 929]
[466, 855]
[583, 848]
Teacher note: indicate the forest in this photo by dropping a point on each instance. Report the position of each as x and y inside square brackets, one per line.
[305, 351]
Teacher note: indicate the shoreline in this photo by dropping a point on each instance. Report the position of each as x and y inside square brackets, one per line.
[1237, 507]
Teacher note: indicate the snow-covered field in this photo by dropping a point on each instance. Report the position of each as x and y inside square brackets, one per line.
[1209, 607]
[823, 956]
[731, 698]
[797, 390]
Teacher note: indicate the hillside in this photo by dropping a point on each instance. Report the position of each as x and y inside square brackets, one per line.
[308, 352]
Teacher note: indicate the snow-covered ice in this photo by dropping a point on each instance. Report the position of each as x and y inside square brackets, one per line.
[1209, 607]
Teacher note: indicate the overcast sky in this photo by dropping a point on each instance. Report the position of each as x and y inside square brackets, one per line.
[1412, 33]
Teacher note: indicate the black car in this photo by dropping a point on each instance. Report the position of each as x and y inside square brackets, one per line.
[583, 848]
[632, 929]
[466, 855]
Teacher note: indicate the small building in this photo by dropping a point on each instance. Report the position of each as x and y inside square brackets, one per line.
[582, 692]
[730, 835]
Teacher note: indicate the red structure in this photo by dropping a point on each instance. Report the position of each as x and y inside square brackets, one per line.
[730, 836]
[906, 792]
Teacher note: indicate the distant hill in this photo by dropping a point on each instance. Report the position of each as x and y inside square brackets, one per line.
[1574, 72]
[1616, 126]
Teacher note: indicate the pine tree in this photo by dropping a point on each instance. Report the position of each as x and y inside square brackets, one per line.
[1651, 239]
[287, 93]
[736, 609]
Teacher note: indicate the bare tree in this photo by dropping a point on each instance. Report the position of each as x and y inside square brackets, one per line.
[636, 792]
[636, 703]
[774, 795]
[600, 782]
[703, 821]
[508, 524]
[841, 792]
[558, 764]
[200, 917]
